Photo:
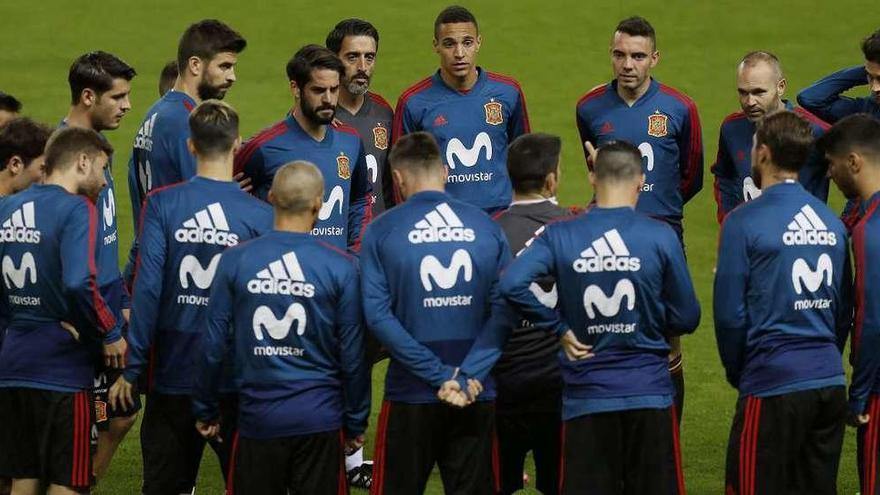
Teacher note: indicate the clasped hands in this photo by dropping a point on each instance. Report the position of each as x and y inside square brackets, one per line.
[451, 392]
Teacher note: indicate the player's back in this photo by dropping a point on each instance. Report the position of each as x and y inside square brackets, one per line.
[795, 253]
[441, 259]
[188, 225]
[47, 249]
[291, 293]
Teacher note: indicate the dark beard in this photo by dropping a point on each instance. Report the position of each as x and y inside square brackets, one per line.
[312, 114]
[208, 92]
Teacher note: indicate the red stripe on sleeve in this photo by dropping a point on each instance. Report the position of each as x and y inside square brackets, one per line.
[695, 144]
[397, 123]
[106, 320]
[859, 251]
[246, 152]
[812, 118]
[522, 98]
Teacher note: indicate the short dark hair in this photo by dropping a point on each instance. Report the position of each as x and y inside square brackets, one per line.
[9, 103]
[24, 138]
[168, 77]
[67, 142]
[213, 127]
[416, 152]
[789, 137]
[96, 71]
[530, 158]
[871, 47]
[454, 14]
[855, 133]
[637, 26]
[350, 27]
[309, 58]
[205, 39]
[617, 161]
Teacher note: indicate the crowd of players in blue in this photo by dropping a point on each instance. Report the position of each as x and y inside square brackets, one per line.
[263, 283]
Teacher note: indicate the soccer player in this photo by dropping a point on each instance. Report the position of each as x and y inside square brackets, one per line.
[761, 85]
[528, 406]
[22, 161]
[184, 230]
[852, 147]
[429, 279]
[624, 290]
[356, 43]
[206, 58]
[288, 305]
[100, 86]
[636, 108]
[10, 107]
[168, 78]
[47, 366]
[307, 134]
[473, 114]
[782, 312]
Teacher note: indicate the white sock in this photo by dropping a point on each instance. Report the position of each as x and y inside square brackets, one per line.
[355, 459]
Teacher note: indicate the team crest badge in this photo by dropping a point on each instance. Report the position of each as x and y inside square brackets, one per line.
[657, 124]
[342, 166]
[494, 116]
[100, 411]
[380, 137]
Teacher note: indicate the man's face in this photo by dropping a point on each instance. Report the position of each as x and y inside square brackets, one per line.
[839, 171]
[93, 180]
[760, 90]
[873, 69]
[632, 58]
[318, 98]
[111, 106]
[218, 75]
[30, 173]
[358, 54]
[458, 45]
[6, 116]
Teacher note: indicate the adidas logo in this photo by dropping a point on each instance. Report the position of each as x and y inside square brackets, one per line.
[282, 277]
[207, 226]
[144, 138]
[21, 226]
[807, 229]
[607, 254]
[441, 225]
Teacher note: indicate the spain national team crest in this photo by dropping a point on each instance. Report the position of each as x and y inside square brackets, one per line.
[380, 137]
[342, 166]
[657, 124]
[100, 411]
[494, 115]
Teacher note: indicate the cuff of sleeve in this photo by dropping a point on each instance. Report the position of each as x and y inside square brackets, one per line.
[114, 335]
[559, 328]
[130, 375]
[858, 405]
[446, 373]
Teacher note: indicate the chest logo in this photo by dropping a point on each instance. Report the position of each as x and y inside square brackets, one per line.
[380, 137]
[494, 115]
[342, 166]
[658, 125]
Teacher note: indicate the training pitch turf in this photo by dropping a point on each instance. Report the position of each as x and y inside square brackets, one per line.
[557, 51]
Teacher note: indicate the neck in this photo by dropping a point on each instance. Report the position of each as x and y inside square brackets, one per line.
[294, 223]
[460, 83]
[630, 96]
[79, 117]
[351, 102]
[425, 185]
[217, 168]
[868, 186]
[532, 196]
[611, 196]
[317, 131]
[5, 183]
[64, 179]
[189, 86]
[775, 176]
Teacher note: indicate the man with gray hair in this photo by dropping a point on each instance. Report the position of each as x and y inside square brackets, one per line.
[626, 293]
[288, 308]
[761, 84]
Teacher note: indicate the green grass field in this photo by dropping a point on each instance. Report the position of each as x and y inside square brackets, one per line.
[557, 50]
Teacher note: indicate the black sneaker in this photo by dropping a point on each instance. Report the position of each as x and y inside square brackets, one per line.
[361, 476]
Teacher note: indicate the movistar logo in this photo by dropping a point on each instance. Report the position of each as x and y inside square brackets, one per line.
[608, 306]
[456, 150]
[17, 277]
[335, 201]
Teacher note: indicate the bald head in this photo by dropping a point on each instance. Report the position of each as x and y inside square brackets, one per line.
[760, 84]
[762, 58]
[297, 188]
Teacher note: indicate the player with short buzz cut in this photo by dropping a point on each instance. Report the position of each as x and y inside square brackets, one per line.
[624, 290]
[185, 227]
[10, 107]
[58, 319]
[528, 407]
[308, 133]
[782, 305]
[100, 87]
[287, 306]
[168, 77]
[356, 43]
[852, 147]
[429, 277]
[664, 124]
[761, 85]
[473, 114]
[206, 57]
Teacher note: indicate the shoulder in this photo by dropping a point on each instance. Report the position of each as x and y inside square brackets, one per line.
[414, 90]
[345, 130]
[336, 257]
[379, 100]
[682, 99]
[161, 193]
[505, 81]
[819, 125]
[266, 134]
[592, 95]
[733, 120]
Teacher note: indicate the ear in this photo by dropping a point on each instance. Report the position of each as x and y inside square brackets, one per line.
[780, 86]
[854, 163]
[294, 90]
[88, 97]
[83, 164]
[15, 165]
[195, 66]
[592, 178]
[479, 42]
[641, 183]
[190, 146]
[397, 176]
[236, 145]
[271, 197]
[318, 203]
[436, 44]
